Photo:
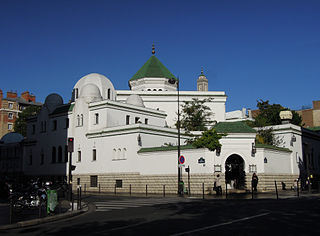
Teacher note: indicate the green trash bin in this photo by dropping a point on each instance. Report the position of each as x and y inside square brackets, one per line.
[52, 200]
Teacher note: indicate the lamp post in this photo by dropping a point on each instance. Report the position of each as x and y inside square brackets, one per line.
[180, 186]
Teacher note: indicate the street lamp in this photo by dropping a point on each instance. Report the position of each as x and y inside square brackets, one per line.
[180, 185]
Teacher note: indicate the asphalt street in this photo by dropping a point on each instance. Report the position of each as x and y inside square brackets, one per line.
[174, 216]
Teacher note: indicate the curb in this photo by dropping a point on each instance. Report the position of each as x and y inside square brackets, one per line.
[47, 219]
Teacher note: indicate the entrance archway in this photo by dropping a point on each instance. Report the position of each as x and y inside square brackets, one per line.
[235, 174]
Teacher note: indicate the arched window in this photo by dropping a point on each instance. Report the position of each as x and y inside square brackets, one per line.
[53, 159]
[124, 153]
[81, 120]
[59, 154]
[109, 93]
[119, 154]
[66, 153]
[114, 154]
[78, 120]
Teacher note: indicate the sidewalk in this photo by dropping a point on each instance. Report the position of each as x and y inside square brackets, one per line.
[35, 221]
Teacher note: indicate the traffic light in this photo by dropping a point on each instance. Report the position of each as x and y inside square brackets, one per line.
[70, 144]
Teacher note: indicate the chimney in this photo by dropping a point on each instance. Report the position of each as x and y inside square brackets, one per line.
[316, 105]
[32, 98]
[11, 94]
[26, 96]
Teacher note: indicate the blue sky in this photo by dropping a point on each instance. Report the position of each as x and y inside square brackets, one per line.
[252, 50]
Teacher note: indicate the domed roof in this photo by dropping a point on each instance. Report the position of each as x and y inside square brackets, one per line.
[12, 137]
[136, 100]
[91, 93]
[52, 101]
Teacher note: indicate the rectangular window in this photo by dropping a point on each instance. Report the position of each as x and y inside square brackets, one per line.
[94, 155]
[10, 115]
[78, 181]
[119, 183]
[127, 120]
[93, 181]
[10, 105]
[67, 123]
[137, 120]
[252, 168]
[10, 126]
[146, 121]
[97, 118]
[54, 125]
[79, 156]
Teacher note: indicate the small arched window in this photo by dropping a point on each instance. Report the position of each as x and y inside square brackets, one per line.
[81, 120]
[124, 153]
[109, 93]
[59, 154]
[78, 120]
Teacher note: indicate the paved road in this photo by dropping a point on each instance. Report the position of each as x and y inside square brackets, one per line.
[192, 217]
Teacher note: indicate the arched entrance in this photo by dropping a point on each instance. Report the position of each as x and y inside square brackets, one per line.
[235, 174]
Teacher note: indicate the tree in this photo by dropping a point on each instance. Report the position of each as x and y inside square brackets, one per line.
[20, 125]
[195, 115]
[209, 139]
[268, 114]
[266, 136]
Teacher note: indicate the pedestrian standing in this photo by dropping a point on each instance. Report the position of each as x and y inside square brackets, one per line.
[255, 180]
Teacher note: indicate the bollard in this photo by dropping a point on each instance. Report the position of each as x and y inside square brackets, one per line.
[275, 183]
[40, 204]
[11, 211]
[130, 189]
[202, 190]
[251, 190]
[146, 190]
[80, 196]
[164, 190]
[226, 191]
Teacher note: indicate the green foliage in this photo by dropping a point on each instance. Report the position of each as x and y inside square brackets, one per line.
[195, 116]
[269, 115]
[266, 136]
[209, 139]
[20, 125]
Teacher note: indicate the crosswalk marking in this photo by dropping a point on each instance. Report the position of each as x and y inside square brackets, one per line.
[131, 203]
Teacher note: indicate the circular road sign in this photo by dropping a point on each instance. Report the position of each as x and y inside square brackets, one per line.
[181, 159]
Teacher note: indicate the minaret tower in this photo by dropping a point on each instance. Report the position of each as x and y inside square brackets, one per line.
[202, 82]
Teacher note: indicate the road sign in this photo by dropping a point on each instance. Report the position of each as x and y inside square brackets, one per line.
[181, 159]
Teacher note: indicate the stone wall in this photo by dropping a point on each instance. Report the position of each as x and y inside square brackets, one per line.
[158, 184]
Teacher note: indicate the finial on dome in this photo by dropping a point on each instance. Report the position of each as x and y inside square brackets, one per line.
[153, 49]
[201, 70]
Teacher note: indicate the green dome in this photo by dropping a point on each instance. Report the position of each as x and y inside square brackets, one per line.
[153, 68]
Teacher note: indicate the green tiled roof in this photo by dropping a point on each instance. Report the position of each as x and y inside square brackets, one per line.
[153, 68]
[316, 128]
[233, 127]
[165, 148]
[258, 145]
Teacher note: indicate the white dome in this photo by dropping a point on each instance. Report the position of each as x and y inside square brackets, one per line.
[136, 100]
[52, 101]
[91, 93]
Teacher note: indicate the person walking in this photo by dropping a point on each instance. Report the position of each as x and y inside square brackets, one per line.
[255, 180]
[217, 185]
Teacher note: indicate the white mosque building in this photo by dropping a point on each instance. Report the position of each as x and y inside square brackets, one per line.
[121, 139]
